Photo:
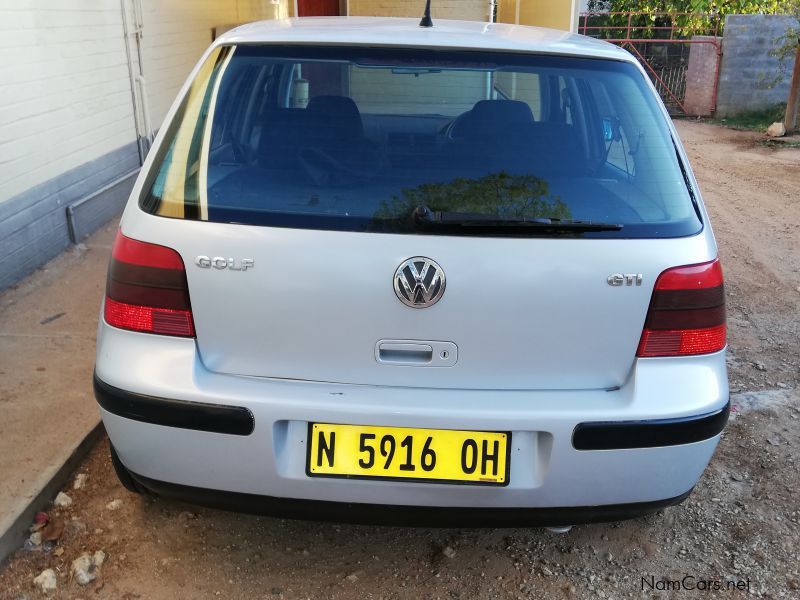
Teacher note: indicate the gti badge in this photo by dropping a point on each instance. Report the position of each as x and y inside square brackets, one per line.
[419, 282]
[618, 279]
[218, 262]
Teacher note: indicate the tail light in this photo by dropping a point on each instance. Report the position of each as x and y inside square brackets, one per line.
[146, 289]
[687, 312]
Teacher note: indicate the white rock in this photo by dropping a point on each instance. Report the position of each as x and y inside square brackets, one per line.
[83, 569]
[80, 481]
[36, 538]
[62, 500]
[449, 552]
[46, 580]
[776, 130]
[114, 504]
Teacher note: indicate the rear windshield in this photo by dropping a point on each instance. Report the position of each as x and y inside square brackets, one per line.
[363, 139]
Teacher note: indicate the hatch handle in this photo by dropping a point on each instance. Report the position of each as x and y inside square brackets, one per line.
[416, 353]
[413, 354]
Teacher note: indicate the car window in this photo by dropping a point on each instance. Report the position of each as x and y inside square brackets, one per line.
[358, 139]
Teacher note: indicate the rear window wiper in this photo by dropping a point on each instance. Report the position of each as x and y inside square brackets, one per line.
[425, 217]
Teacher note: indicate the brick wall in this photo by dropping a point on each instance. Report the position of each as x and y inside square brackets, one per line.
[701, 73]
[466, 10]
[747, 68]
[65, 96]
[68, 138]
[176, 32]
[64, 91]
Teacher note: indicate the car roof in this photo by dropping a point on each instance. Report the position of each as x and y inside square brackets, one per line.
[400, 32]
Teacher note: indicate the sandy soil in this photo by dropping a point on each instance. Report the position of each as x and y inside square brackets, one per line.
[741, 523]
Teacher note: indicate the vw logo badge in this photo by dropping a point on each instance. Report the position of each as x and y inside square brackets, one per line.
[419, 282]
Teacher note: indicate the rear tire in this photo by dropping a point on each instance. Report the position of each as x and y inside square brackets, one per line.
[125, 477]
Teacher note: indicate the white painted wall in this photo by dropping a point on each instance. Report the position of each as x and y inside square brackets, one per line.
[65, 94]
[64, 91]
[176, 32]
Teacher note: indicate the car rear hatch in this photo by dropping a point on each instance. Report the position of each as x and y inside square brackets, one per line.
[294, 177]
[519, 313]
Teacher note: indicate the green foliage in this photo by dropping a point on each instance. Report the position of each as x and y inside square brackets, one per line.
[501, 194]
[691, 17]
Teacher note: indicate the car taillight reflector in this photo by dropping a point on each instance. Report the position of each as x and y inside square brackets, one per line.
[147, 290]
[687, 312]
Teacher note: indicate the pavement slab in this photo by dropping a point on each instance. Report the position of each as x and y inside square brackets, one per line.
[47, 336]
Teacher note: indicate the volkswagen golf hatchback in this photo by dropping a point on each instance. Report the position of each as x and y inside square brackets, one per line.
[377, 272]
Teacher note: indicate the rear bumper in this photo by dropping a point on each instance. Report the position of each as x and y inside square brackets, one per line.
[237, 420]
[404, 516]
[173, 421]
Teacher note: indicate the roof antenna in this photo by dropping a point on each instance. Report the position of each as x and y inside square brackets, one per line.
[426, 18]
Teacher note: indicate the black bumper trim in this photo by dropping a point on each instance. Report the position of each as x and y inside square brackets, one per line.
[403, 516]
[199, 416]
[624, 435]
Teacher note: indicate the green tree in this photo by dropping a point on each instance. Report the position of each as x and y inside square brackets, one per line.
[691, 17]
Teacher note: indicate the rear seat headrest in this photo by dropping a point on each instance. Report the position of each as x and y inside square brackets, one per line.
[491, 118]
[338, 114]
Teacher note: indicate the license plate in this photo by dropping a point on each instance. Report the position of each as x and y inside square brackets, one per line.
[428, 455]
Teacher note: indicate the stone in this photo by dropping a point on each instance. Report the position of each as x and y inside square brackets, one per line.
[84, 568]
[776, 130]
[80, 481]
[46, 581]
[449, 552]
[114, 504]
[185, 515]
[35, 538]
[62, 500]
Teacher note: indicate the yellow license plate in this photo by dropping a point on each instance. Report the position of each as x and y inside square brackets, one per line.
[440, 455]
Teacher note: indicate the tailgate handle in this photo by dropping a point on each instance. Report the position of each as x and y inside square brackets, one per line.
[418, 353]
[405, 354]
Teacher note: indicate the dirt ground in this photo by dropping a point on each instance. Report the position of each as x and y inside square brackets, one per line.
[740, 524]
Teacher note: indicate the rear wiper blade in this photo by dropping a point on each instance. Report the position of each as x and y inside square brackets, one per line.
[425, 217]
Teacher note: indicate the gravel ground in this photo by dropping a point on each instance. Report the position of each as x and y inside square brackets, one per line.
[739, 526]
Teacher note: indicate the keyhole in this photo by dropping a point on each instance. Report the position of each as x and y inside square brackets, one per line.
[444, 354]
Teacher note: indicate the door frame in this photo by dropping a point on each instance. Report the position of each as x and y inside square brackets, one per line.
[343, 4]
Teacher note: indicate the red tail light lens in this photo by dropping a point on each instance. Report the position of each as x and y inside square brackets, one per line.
[687, 312]
[147, 290]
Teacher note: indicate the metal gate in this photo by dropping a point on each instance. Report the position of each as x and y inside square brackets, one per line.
[679, 51]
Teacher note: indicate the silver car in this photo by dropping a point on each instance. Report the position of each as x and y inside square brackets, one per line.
[376, 272]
